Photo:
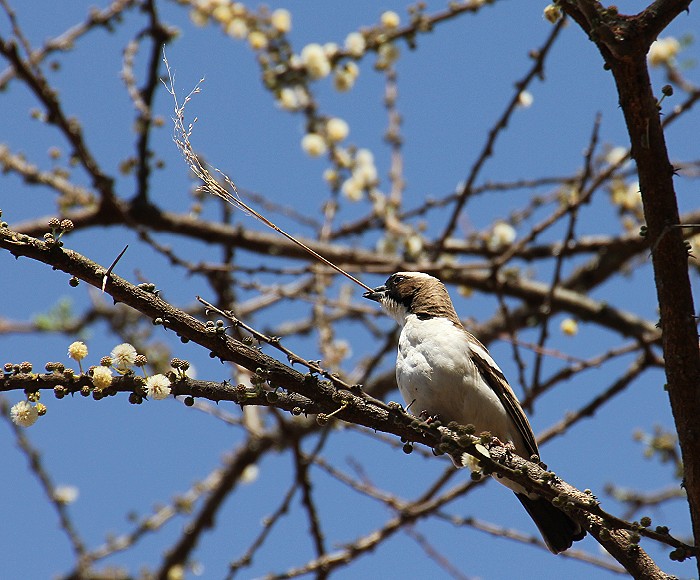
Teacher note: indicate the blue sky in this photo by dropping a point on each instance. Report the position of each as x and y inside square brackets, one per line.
[451, 89]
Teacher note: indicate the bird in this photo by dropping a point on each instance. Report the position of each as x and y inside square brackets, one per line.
[443, 371]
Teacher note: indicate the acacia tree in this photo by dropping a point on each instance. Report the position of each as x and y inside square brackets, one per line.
[311, 373]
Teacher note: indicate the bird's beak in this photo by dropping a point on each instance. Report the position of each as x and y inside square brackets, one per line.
[377, 294]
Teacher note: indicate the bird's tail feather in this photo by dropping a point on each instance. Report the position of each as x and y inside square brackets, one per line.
[557, 528]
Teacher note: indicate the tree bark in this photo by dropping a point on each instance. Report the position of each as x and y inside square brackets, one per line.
[624, 42]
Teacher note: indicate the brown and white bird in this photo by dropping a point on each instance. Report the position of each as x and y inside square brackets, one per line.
[443, 370]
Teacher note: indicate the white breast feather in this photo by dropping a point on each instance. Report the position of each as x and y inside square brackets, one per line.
[435, 373]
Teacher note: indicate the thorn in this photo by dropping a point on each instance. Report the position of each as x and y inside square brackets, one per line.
[109, 270]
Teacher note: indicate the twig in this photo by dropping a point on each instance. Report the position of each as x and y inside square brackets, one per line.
[212, 186]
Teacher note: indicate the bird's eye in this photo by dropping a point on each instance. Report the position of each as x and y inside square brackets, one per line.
[394, 279]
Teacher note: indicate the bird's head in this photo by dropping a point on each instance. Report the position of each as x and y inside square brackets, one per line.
[416, 293]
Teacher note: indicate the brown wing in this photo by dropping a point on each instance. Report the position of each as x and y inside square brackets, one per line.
[495, 379]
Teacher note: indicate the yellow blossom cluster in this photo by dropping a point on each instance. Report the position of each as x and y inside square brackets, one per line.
[289, 73]
[409, 243]
[626, 195]
[569, 327]
[316, 60]
[121, 359]
[333, 131]
[502, 235]
[363, 175]
[390, 20]
[238, 22]
[663, 51]
[293, 98]
[345, 76]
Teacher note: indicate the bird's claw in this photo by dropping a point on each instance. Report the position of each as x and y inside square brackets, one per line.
[508, 445]
[427, 417]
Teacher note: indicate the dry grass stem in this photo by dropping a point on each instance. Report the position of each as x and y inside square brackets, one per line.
[210, 184]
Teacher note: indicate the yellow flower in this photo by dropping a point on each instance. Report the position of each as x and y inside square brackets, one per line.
[281, 20]
[288, 99]
[237, 28]
[257, 40]
[222, 13]
[198, 18]
[77, 350]
[24, 414]
[663, 51]
[364, 172]
[390, 19]
[343, 81]
[101, 377]
[525, 99]
[413, 245]
[330, 49]
[386, 55]
[355, 44]
[330, 175]
[65, 494]
[313, 144]
[123, 355]
[502, 235]
[352, 189]
[336, 129]
[626, 196]
[250, 473]
[569, 326]
[158, 387]
[315, 60]
[616, 155]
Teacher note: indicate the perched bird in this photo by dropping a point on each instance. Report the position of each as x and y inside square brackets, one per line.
[444, 371]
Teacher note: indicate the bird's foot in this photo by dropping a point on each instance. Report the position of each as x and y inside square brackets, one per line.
[427, 417]
[508, 445]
